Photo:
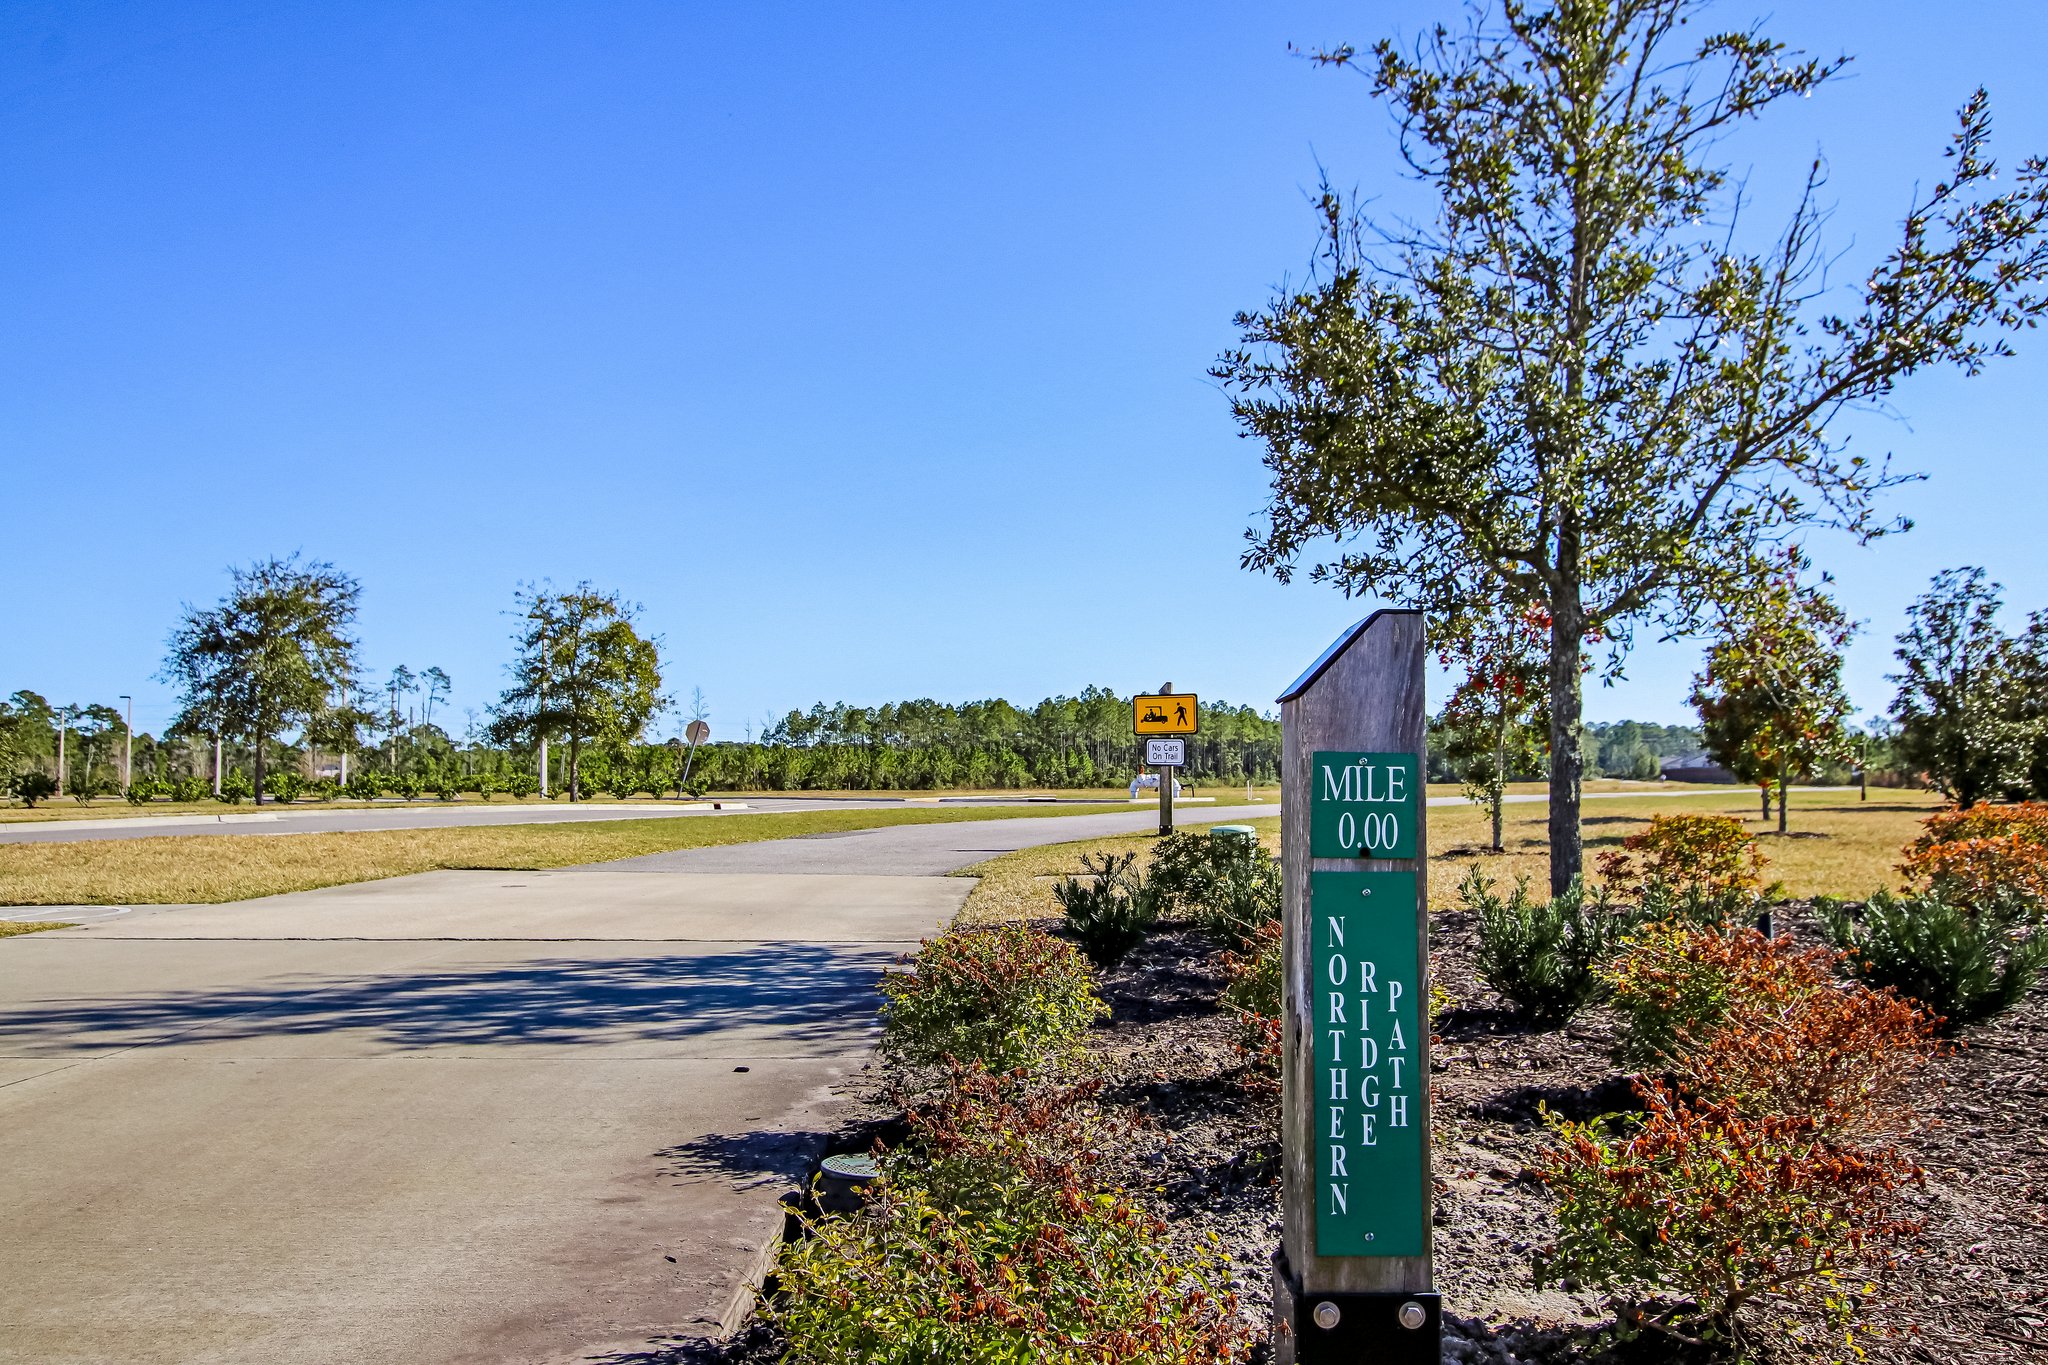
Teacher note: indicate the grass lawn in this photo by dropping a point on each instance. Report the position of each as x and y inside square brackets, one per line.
[9, 928]
[202, 869]
[1837, 845]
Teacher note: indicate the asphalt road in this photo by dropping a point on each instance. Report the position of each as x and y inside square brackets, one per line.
[464, 1117]
[330, 819]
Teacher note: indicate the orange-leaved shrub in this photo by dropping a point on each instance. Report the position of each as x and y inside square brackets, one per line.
[1699, 1210]
[1674, 982]
[1971, 856]
[1763, 1162]
[990, 1238]
[1701, 855]
[1844, 1058]
[1253, 993]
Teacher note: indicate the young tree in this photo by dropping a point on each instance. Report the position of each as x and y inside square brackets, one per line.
[2031, 661]
[581, 670]
[435, 686]
[1578, 386]
[27, 727]
[1960, 709]
[272, 655]
[1493, 725]
[89, 724]
[1771, 701]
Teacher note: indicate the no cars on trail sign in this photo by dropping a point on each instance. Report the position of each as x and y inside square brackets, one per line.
[1166, 753]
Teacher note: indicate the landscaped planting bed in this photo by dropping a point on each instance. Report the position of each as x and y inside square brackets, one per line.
[1948, 1175]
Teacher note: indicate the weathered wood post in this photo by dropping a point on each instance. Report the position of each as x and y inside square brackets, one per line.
[1353, 1279]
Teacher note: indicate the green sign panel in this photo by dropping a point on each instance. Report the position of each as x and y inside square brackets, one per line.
[1363, 805]
[1369, 1036]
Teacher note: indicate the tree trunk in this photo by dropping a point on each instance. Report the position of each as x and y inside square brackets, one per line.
[1784, 780]
[259, 768]
[1567, 761]
[575, 766]
[1763, 790]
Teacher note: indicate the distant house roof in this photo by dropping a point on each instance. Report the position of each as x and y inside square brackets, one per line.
[1698, 767]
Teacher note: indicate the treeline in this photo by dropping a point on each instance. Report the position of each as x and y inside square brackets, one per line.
[1622, 748]
[922, 745]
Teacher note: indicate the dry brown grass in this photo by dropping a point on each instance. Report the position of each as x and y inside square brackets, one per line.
[9, 927]
[1837, 846]
[202, 869]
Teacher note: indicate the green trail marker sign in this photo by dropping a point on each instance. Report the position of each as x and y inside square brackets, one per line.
[1354, 1278]
[1363, 805]
[1370, 1032]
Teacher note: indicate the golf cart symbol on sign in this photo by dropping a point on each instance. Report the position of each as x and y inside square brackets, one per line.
[1174, 713]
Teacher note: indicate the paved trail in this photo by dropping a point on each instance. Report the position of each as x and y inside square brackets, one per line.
[533, 1117]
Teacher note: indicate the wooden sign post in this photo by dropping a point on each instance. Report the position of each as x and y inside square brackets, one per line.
[1353, 1280]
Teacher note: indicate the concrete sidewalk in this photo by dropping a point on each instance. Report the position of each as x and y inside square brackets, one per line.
[451, 1119]
[465, 1117]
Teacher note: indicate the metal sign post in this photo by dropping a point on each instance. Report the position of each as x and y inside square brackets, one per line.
[1353, 1278]
[1166, 712]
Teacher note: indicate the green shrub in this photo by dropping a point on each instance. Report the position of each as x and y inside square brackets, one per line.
[619, 783]
[236, 788]
[523, 785]
[486, 786]
[284, 786]
[447, 785]
[1964, 964]
[322, 789]
[409, 786]
[1110, 911]
[143, 790]
[1004, 998]
[364, 785]
[33, 786]
[1542, 956]
[190, 789]
[989, 1240]
[1228, 885]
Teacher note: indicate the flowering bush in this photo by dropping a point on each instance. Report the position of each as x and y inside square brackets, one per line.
[1971, 856]
[1704, 855]
[1007, 998]
[1699, 1210]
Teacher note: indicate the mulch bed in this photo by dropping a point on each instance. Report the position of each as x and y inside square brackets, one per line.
[1974, 1288]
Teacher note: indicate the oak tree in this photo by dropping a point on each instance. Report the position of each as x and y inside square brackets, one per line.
[581, 670]
[1585, 383]
[272, 655]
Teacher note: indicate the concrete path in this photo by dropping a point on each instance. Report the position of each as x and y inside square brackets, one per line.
[533, 1117]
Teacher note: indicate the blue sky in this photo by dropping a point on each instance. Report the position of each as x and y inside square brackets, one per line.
[864, 345]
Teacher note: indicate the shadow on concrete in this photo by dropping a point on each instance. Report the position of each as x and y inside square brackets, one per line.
[807, 993]
[747, 1159]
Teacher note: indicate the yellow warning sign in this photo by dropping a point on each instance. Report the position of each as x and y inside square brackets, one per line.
[1175, 713]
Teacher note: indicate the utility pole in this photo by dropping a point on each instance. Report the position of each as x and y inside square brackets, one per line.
[216, 763]
[128, 754]
[62, 722]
